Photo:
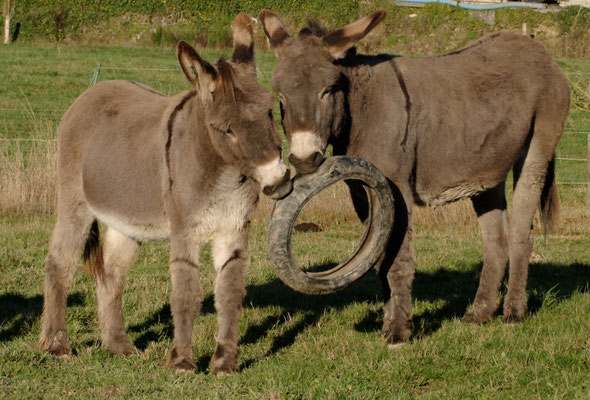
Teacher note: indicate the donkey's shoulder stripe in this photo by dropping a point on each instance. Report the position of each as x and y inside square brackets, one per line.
[178, 107]
[402, 85]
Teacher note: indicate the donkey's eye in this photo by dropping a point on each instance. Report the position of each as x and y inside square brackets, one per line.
[282, 111]
[227, 132]
[322, 95]
[282, 98]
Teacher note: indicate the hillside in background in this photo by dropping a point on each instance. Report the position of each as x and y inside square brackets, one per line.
[435, 28]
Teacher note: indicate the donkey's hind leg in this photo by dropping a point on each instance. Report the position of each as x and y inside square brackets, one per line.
[490, 207]
[119, 253]
[230, 252]
[527, 194]
[65, 249]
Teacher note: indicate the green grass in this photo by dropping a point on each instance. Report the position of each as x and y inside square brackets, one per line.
[40, 82]
[292, 345]
[298, 346]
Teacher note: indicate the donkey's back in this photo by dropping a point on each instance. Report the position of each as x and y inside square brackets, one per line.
[115, 110]
[113, 137]
[473, 110]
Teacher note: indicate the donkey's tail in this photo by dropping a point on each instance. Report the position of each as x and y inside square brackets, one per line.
[93, 253]
[549, 206]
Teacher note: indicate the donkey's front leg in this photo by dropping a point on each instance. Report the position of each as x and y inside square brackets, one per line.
[185, 301]
[230, 252]
[397, 272]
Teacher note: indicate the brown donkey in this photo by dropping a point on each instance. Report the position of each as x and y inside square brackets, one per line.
[188, 168]
[441, 128]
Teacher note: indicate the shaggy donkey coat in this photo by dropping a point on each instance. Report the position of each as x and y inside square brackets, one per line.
[440, 128]
[188, 168]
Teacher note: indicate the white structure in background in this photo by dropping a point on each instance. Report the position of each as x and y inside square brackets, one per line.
[562, 3]
[7, 10]
[565, 3]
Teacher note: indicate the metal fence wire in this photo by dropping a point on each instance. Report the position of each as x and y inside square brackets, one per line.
[29, 113]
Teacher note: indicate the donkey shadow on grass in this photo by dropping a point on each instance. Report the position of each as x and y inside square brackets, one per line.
[455, 289]
[19, 313]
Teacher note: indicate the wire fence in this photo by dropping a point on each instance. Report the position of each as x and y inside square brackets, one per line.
[54, 141]
[30, 113]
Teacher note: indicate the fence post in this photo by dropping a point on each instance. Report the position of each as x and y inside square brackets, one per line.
[95, 77]
[7, 23]
[588, 177]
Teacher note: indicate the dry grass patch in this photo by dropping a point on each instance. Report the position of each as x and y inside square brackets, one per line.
[28, 173]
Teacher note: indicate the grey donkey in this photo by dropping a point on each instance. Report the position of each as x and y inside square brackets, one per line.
[188, 168]
[441, 128]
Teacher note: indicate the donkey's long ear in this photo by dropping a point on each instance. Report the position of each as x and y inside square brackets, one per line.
[199, 72]
[243, 40]
[340, 40]
[274, 29]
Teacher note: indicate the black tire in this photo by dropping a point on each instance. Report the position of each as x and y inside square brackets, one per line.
[372, 245]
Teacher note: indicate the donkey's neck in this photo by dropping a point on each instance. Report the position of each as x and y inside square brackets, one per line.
[367, 76]
[190, 143]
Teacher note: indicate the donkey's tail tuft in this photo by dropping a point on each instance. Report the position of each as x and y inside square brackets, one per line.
[93, 253]
[549, 206]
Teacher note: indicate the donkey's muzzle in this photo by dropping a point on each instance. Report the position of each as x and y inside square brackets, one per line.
[280, 189]
[307, 165]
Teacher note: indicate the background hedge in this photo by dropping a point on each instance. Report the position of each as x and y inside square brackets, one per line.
[434, 28]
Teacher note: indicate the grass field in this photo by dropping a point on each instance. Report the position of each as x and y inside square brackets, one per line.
[292, 345]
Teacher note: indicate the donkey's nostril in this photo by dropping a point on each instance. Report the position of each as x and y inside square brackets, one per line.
[293, 160]
[279, 189]
[308, 164]
[267, 190]
[286, 177]
[317, 158]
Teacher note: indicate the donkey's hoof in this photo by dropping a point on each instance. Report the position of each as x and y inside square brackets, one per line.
[224, 360]
[179, 363]
[58, 350]
[120, 348]
[514, 311]
[395, 346]
[511, 317]
[183, 366]
[56, 344]
[477, 317]
[223, 367]
[395, 333]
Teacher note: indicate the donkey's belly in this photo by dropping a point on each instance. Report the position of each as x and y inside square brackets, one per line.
[122, 180]
[135, 213]
[142, 231]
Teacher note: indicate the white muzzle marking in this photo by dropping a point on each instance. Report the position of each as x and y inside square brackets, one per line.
[271, 172]
[305, 143]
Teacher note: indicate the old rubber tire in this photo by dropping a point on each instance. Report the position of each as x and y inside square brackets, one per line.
[377, 230]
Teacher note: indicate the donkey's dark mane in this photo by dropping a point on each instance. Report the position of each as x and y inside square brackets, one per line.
[314, 28]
